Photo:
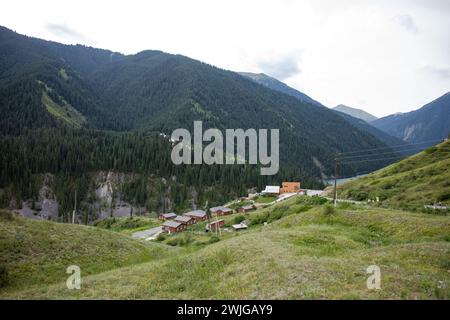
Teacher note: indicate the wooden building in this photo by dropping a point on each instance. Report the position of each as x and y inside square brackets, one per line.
[246, 209]
[215, 224]
[173, 226]
[198, 215]
[221, 211]
[167, 216]
[186, 220]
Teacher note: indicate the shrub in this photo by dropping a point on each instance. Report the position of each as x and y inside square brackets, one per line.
[238, 219]
[161, 237]
[213, 239]
[3, 276]
[6, 215]
[328, 210]
[444, 196]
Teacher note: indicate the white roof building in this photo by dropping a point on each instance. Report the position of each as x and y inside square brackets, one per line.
[239, 226]
[271, 190]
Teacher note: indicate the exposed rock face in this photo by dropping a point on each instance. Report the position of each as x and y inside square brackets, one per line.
[109, 202]
[46, 208]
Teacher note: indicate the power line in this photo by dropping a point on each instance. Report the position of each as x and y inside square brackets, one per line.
[391, 147]
[392, 152]
[379, 154]
[368, 160]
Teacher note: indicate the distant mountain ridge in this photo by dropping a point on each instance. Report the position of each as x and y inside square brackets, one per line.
[47, 84]
[277, 85]
[356, 113]
[362, 125]
[429, 123]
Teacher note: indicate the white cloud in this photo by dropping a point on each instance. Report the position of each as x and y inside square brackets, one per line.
[280, 67]
[407, 22]
[351, 50]
[65, 32]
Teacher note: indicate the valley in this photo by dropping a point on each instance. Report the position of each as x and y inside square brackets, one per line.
[99, 171]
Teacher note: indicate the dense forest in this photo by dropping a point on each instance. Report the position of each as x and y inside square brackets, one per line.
[72, 111]
[74, 155]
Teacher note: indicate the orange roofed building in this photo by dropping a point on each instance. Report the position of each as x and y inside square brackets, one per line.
[290, 187]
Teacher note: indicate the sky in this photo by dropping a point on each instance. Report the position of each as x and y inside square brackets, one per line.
[383, 56]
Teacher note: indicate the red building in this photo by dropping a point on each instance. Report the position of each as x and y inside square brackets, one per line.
[221, 211]
[246, 209]
[167, 216]
[198, 215]
[215, 224]
[173, 226]
[186, 220]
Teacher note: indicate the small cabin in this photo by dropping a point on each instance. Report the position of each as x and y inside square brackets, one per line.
[197, 215]
[221, 211]
[186, 220]
[246, 209]
[173, 226]
[215, 225]
[167, 216]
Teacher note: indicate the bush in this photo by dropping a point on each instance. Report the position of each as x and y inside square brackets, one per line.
[238, 219]
[444, 196]
[6, 215]
[3, 276]
[328, 210]
[161, 237]
[213, 239]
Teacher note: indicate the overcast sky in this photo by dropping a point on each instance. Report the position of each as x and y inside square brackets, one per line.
[383, 56]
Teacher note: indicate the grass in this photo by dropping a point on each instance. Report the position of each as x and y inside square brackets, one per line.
[36, 253]
[62, 110]
[409, 184]
[239, 204]
[127, 225]
[305, 251]
[265, 199]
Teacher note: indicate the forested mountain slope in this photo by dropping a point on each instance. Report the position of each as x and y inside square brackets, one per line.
[429, 123]
[66, 109]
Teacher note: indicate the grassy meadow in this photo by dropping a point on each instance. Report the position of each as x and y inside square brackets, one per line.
[301, 248]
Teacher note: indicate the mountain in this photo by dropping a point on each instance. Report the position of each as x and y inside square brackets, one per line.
[429, 124]
[356, 113]
[46, 84]
[277, 85]
[397, 144]
[72, 115]
[356, 122]
[422, 179]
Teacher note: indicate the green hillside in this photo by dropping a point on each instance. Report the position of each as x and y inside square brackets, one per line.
[306, 250]
[422, 179]
[36, 253]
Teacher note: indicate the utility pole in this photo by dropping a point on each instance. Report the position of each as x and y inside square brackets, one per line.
[336, 160]
[75, 208]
